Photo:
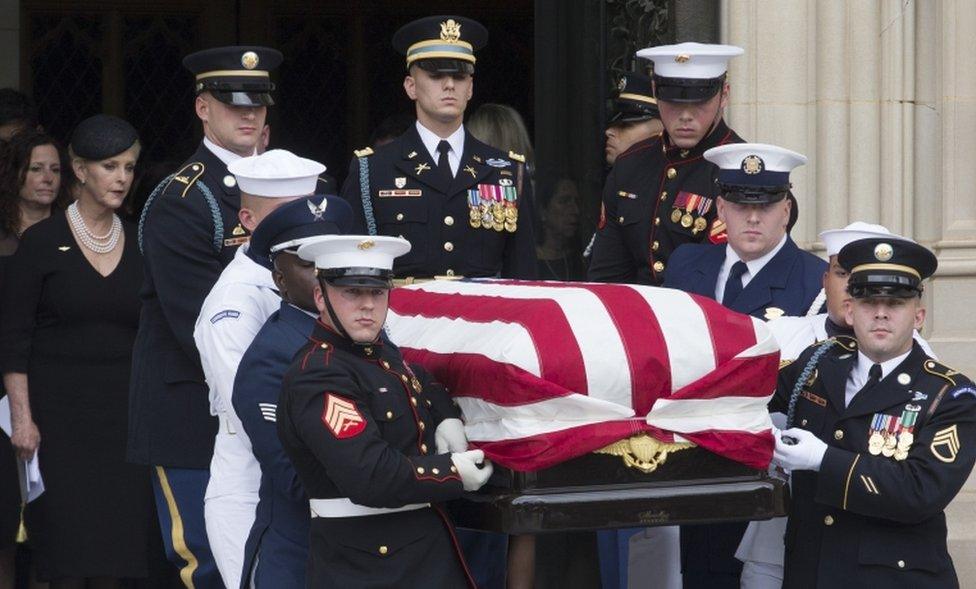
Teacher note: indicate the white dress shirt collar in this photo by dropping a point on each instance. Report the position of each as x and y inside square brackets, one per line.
[456, 140]
[752, 268]
[859, 374]
[225, 155]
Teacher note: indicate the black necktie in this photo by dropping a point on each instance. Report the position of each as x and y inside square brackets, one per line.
[733, 284]
[874, 375]
[443, 165]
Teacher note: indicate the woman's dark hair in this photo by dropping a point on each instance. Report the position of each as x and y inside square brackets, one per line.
[15, 157]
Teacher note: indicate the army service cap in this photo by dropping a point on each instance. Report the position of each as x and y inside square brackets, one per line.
[634, 101]
[238, 75]
[355, 260]
[886, 267]
[689, 72]
[441, 44]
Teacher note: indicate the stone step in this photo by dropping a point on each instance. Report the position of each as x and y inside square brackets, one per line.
[961, 518]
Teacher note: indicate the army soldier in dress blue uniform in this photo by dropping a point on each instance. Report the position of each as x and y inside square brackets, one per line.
[882, 436]
[188, 232]
[661, 193]
[375, 441]
[277, 546]
[465, 207]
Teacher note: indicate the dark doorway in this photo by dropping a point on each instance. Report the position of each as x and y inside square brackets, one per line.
[339, 79]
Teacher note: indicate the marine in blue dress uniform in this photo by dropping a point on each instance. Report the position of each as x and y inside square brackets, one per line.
[465, 207]
[361, 428]
[759, 272]
[881, 436]
[661, 192]
[188, 232]
[277, 546]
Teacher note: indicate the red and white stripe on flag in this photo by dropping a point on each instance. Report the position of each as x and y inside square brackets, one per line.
[547, 371]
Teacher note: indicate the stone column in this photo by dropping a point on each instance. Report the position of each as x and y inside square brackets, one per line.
[881, 96]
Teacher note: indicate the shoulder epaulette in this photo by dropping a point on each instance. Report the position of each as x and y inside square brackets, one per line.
[363, 152]
[940, 369]
[516, 156]
[845, 341]
[187, 176]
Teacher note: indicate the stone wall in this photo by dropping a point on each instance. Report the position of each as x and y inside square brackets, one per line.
[881, 96]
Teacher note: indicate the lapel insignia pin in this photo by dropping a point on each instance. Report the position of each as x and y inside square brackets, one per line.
[400, 182]
[919, 396]
[230, 181]
[237, 231]
[411, 155]
[476, 158]
[904, 379]
[64, 248]
[471, 171]
[421, 168]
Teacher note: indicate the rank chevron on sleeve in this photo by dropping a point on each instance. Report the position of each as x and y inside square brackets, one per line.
[342, 417]
[945, 445]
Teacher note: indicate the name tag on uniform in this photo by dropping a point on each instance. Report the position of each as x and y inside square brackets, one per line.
[814, 398]
[401, 193]
[236, 241]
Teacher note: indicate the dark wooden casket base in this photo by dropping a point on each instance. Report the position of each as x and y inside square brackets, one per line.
[598, 491]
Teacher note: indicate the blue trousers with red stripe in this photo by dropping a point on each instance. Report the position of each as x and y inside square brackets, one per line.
[179, 496]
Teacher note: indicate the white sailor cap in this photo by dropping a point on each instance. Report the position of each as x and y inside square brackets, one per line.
[276, 173]
[689, 72]
[354, 260]
[836, 239]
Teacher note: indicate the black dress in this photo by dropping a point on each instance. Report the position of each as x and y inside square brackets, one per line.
[9, 487]
[71, 330]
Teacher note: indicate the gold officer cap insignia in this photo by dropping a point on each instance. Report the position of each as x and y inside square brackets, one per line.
[752, 164]
[249, 60]
[682, 58]
[883, 252]
[450, 31]
[366, 244]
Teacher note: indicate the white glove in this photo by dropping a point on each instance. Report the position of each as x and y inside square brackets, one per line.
[449, 436]
[472, 477]
[806, 454]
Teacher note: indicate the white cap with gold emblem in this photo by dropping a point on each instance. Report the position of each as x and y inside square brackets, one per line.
[689, 72]
[354, 260]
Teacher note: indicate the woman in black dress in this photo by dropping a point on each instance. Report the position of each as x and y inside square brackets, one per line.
[69, 318]
[30, 186]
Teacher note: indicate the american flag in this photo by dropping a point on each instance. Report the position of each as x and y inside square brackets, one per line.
[548, 371]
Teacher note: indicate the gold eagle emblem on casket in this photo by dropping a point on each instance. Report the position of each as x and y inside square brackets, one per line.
[643, 452]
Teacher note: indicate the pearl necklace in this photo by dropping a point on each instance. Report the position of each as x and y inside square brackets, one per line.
[100, 244]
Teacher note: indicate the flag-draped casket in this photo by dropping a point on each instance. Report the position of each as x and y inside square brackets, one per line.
[547, 373]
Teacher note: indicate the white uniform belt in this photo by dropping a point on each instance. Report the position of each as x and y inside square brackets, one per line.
[343, 507]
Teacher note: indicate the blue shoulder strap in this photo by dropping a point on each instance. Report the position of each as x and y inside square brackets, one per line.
[218, 220]
[364, 193]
